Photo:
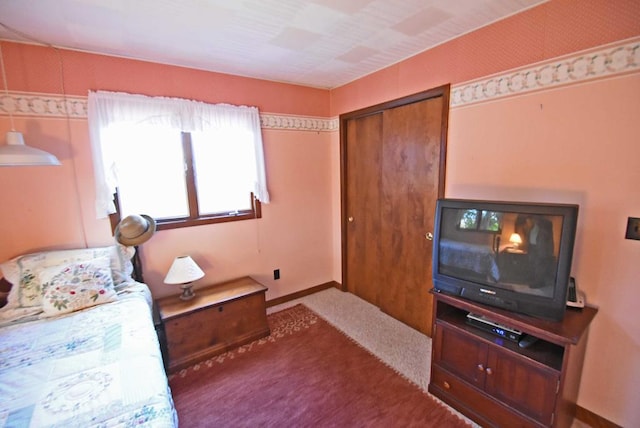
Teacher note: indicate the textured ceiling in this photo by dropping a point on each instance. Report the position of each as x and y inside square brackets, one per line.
[318, 43]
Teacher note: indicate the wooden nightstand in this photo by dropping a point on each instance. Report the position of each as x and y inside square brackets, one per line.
[513, 266]
[217, 319]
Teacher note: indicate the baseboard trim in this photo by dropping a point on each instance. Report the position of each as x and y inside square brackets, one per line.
[592, 419]
[298, 294]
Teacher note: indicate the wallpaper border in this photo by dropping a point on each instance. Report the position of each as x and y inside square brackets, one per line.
[605, 61]
[33, 104]
[618, 58]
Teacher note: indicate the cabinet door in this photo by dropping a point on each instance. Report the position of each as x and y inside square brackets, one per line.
[461, 354]
[522, 384]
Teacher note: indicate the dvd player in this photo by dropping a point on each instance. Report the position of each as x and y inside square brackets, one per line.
[486, 324]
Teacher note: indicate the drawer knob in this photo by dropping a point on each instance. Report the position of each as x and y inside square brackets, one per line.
[446, 385]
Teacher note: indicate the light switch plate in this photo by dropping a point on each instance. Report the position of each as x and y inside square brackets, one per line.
[633, 228]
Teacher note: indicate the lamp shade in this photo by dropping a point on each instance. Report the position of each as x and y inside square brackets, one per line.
[183, 270]
[16, 153]
[515, 239]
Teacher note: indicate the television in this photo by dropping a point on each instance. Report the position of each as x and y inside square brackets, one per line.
[512, 255]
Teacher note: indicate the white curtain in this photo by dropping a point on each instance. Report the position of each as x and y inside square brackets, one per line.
[107, 108]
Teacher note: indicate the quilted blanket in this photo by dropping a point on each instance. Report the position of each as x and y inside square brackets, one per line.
[97, 367]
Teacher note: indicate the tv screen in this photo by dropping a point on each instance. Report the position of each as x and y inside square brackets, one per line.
[513, 255]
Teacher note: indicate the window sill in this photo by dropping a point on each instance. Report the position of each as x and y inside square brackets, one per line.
[178, 223]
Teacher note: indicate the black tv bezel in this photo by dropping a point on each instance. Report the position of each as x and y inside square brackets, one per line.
[552, 308]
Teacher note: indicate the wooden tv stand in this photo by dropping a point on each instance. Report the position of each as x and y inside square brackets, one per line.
[494, 381]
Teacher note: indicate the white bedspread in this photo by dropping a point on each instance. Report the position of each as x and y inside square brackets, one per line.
[97, 367]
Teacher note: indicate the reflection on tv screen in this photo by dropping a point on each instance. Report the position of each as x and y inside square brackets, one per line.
[513, 251]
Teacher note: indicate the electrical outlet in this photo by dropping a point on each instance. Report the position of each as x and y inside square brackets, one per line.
[633, 228]
[276, 274]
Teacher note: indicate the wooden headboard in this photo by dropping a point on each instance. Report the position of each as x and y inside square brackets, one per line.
[5, 286]
[137, 266]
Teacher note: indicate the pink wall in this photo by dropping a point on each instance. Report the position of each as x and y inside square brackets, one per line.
[37, 69]
[576, 144]
[53, 207]
[44, 210]
[294, 234]
[547, 31]
[584, 139]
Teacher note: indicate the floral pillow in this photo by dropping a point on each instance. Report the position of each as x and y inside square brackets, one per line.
[76, 285]
[25, 270]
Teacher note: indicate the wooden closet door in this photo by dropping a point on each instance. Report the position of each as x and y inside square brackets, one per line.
[392, 174]
[411, 173]
[364, 145]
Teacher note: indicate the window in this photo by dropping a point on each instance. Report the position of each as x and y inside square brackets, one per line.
[469, 220]
[182, 166]
[483, 221]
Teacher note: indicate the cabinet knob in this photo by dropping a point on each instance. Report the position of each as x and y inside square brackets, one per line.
[489, 371]
[480, 367]
[446, 385]
[429, 236]
[350, 219]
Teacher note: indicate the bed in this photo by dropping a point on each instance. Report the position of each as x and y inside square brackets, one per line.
[78, 345]
[479, 259]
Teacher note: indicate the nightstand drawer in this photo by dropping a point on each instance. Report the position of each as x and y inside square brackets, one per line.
[218, 319]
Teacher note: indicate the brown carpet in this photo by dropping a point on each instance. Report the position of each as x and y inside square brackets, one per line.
[305, 374]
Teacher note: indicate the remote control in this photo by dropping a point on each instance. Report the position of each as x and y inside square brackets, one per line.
[527, 341]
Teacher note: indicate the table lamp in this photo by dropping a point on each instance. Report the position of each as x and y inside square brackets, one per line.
[516, 240]
[184, 271]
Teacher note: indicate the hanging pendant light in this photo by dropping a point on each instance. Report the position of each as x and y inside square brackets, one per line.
[15, 152]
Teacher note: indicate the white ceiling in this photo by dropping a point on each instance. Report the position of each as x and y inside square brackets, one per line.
[318, 43]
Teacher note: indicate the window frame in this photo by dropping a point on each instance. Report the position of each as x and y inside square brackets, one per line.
[194, 218]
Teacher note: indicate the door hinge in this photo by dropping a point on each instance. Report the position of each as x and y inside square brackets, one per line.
[558, 386]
